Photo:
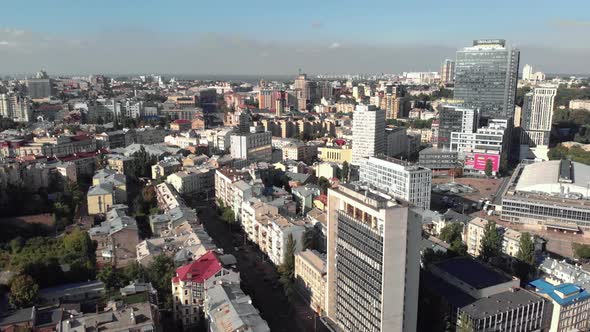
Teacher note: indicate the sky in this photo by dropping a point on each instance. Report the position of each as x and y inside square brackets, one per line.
[261, 37]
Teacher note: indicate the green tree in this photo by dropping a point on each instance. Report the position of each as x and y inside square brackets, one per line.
[525, 256]
[287, 269]
[110, 277]
[451, 232]
[489, 167]
[465, 324]
[23, 291]
[160, 272]
[135, 271]
[491, 242]
[458, 247]
[345, 172]
[312, 238]
[228, 216]
[581, 250]
[324, 184]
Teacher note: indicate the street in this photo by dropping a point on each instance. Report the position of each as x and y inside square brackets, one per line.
[259, 277]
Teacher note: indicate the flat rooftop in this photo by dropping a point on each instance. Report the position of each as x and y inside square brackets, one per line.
[472, 272]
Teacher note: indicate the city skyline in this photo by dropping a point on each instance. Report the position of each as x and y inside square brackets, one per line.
[269, 39]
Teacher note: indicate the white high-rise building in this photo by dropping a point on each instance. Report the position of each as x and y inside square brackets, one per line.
[399, 178]
[15, 107]
[527, 73]
[373, 269]
[537, 117]
[368, 132]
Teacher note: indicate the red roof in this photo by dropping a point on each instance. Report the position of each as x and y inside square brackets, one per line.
[200, 270]
[339, 141]
[322, 198]
[181, 121]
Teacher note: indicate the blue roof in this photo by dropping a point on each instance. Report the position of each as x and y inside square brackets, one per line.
[572, 292]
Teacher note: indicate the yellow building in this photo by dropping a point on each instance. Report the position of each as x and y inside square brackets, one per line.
[310, 278]
[335, 154]
[116, 180]
[120, 164]
[100, 198]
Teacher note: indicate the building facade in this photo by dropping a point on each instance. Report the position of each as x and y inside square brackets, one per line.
[398, 178]
[372, 245]
[368, 132]
[486, 77]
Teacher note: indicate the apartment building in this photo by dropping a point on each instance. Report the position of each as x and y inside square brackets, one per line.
[368, 132]
[300, 151]
[164, 168]
[474, 232]
[373, 243]
[120, 164]
[193, 180]
[228, 308]
[310, 278]
[571, 305]
[191, 282]
[116, 238]
[254, 146]
[398, 178]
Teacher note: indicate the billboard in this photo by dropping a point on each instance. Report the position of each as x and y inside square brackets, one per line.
[477, 161]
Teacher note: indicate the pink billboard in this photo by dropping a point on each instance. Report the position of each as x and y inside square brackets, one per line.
[478, 161]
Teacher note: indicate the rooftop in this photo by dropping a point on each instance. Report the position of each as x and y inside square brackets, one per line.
[472, 272]
[563, 294]
[501, 302]
[200, 270]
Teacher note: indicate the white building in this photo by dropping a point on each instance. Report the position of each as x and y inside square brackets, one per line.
[398, 178]
[368, 132]
[193, 180]
[537, 117]
[527, 72]
[373, 261]
[580, 104]
[253, 146]
[15, 107]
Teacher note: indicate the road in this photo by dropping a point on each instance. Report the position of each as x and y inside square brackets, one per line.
[259, 277]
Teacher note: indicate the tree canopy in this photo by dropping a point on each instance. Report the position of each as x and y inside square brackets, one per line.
[491, 242]
[23, 291]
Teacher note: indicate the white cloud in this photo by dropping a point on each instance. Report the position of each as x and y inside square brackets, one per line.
[4, 43]
[334, 45]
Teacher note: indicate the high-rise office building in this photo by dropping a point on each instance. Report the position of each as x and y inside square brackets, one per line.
[266, 99]
[454, 119]
[372, 262]
[486, 77]
[537, 115]
[399, 178]
[447, 72]
[368, 132]
[39, 88]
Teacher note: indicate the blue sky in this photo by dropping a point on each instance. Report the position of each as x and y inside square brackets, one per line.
[275, 29]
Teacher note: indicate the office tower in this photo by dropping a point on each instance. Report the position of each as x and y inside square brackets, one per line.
[358, 92]
[447, 72]
[398, 178]
[325, 89]
[527, 72]
[537, 115]
[15, 107]
[454, 119]
[368, 132]
[394, 102]
[39, 88]
[486, 76]
[372, 261]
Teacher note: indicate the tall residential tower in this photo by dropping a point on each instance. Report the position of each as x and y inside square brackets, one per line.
[368, 132]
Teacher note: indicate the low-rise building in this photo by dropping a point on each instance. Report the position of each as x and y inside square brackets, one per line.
[571, 305]
[337, 154]
[116, 180]
[165, 167]
[193, 180]
[310, 278]
[227, 308]
[191, 283]
[72, 293]
[100, 198]
[120, 164]
[116, 237]
[116, 316]
[484, 298]
[301, 152]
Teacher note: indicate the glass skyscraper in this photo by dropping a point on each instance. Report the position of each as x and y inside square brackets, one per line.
[486, 76]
